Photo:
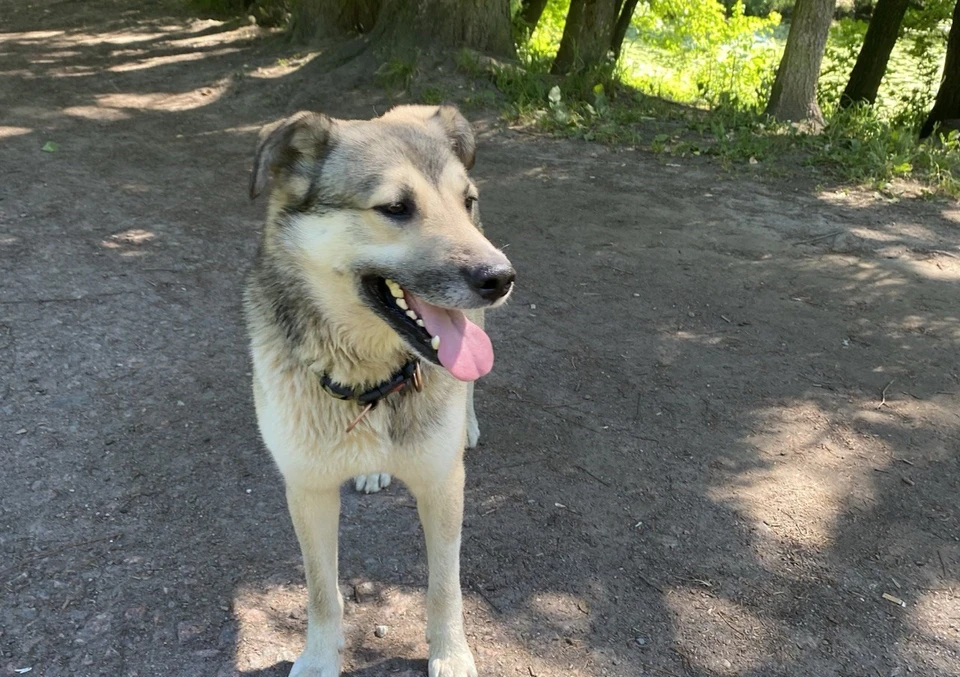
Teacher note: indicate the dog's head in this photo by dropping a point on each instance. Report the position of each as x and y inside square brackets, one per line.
[383, 221]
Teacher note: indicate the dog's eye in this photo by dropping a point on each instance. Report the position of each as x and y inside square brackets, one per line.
[396, 210]
[469, 202]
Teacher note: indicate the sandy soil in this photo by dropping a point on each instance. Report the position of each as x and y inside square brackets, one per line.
[722, 425]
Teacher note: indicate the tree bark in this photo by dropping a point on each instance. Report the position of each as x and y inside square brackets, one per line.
[483, 25]
[623, 23]
[332, 18]
[882, 34]
[946, 107]
[794, 93]
[586, 36]
[530, 13]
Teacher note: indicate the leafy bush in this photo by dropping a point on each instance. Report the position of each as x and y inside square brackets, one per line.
[702, 53]
[719, 62]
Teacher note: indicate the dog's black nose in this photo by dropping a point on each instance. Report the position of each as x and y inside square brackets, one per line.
[491, 282]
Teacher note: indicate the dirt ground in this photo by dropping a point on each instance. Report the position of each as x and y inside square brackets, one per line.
[723, 422]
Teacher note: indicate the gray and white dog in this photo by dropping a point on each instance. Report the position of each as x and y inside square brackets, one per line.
[365, 310]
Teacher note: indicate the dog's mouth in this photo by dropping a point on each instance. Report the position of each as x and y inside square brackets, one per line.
[443, 336]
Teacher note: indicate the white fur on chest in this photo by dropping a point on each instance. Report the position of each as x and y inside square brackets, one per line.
[305, 429]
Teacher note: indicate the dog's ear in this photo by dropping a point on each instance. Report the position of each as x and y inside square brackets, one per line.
[301, 138]
[459, 131]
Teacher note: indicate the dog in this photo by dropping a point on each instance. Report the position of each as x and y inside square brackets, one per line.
[364, 309]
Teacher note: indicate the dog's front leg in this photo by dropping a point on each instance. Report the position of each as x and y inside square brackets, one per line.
[473, 428]
[440, 504]
[316, 517]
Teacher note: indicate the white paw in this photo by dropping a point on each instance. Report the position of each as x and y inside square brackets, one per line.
[473, 434]
[314, 666]
[372, 483]
[453, 663]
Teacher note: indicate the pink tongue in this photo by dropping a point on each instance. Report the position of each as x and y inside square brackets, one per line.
[465, 349]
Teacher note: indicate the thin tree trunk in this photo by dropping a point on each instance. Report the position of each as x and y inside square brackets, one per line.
[947, 104]
[882, 34]
[623, 23]
[586, 36]
[530, 13]
[794, 93]
[332, 18]
[483, 25]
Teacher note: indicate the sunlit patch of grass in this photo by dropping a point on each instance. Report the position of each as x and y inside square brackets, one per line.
[693, 80]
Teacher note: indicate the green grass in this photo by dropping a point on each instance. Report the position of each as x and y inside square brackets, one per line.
[694, 80]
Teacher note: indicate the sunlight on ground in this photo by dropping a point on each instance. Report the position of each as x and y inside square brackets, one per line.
[95, 113]
[8, 131]
[942, 271]
[163, 101]
[128, 242]
[266, 622]
[711, 616]
[283, 67]
[797, 499]
[154, 61]
[936, 616]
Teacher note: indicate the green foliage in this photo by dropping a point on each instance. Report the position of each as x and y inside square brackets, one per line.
[396, 74]
[696, 51]
[843, 47]
[718, 62]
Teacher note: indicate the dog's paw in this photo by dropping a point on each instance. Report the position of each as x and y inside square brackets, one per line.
[372, 483]
[473, 434]
[453, 663]
[313, 666]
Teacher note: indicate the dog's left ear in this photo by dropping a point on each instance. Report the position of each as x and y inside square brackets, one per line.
[459, 131]
[299, 139]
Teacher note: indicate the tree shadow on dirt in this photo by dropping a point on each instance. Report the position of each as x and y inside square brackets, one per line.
[684, 469]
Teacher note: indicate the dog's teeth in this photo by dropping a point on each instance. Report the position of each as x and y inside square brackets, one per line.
[400, 302]
[419, 323]
[435, 342]
[412, 315]
[394, 288]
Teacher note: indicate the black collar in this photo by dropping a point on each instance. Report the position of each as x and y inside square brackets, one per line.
[408, 374]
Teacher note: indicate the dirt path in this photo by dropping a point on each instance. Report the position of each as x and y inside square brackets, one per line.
[723, 422]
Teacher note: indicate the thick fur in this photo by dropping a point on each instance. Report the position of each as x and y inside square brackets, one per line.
[307, 315]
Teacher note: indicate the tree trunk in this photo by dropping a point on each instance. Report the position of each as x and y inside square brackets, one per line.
[623, 23]
[586, 36]
[483, 25]
[794, 93]
[878, 43]
[530, 13]
[947, 104]
[330, 18]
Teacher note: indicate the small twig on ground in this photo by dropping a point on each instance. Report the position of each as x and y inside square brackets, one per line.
[825, 236]
[730, 623]
[601, 481]
[664, 671]
[480, 592]
[56, 551]
[67, 300]
[883, 393]
[725, 319]
[650, 583]
[943, 567]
